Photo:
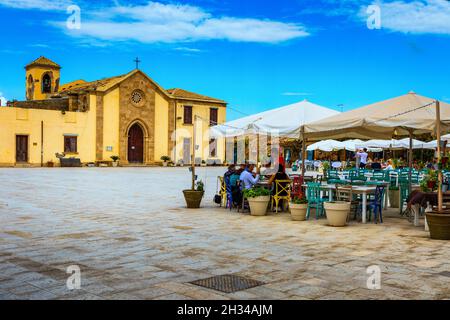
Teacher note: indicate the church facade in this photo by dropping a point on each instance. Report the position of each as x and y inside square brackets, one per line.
[129, 116]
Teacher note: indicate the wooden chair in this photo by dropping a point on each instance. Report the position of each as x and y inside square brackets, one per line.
[282, 192]
[223, 191]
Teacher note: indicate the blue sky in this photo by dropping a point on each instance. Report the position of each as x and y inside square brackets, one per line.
[256, 55]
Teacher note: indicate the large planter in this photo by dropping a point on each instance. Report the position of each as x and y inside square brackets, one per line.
[439, 225]
[298, 211]
[337, 213]
[193, 198]
[165, 163]
[258, 205]
[115, 164]
[394, 198]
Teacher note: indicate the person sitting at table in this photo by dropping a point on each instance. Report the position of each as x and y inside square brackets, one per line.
[280, 175]
[389, 165]
[376, 165]
[248, 178]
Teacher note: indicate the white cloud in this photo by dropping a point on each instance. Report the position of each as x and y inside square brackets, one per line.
[36, 4]
[190, 50]
[156, 22]
[418, 17]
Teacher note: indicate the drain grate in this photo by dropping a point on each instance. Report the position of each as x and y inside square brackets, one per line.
[227, 283]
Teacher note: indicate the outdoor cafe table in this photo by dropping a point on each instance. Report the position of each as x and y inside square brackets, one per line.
[362, 190]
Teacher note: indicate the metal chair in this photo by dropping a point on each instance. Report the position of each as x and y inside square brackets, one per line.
[314, 200]
[282, 192]
[376, 205]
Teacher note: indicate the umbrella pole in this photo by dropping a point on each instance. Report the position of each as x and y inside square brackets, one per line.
[410, 160]
[303, 153]
[438, 136]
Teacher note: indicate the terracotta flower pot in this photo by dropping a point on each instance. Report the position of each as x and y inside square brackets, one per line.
[258, 205]
[394, 198]
[337, 213]
[193, 198]
[298, 211]
[439, 225]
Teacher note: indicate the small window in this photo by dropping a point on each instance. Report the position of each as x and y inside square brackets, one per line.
[187, 115]
[213, 148]
[213, 116]
[70, 144]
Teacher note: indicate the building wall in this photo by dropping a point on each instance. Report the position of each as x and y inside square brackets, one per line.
[111, 124]
[161, 127]
[202, 110]
[19, 121]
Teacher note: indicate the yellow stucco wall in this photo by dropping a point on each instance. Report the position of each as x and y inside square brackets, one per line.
[111, 124]
[17, 121]
[161, 127]
[202, 129]
[37, 73]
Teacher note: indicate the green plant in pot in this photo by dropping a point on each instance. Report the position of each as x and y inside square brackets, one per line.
[258, 199]
[326, 167]
[194, 196]
[165, 160]
[115, 160]
[298, 208]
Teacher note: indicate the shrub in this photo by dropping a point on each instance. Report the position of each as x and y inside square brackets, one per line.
[256, 192]
[165, 158]
[299, 200]
[115, 158]
[200, 186]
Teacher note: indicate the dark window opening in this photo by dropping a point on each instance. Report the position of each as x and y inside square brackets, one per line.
[70, 144]
[187, 115]
[213, 117]
[212, 148]
[46, 84]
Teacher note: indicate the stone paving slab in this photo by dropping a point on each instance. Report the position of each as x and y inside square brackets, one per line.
[129, 233]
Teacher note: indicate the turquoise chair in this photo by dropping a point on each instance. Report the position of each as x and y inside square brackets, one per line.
[314, 200]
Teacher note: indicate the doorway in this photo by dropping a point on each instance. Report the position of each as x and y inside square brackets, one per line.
[136, 144]
[21, 148]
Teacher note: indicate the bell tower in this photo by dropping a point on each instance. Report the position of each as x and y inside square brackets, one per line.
[42, 79]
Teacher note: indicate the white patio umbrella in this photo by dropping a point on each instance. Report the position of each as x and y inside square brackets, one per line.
[326, 145]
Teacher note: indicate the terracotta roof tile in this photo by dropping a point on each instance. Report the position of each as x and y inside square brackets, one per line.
[43, 61]
[184, 94]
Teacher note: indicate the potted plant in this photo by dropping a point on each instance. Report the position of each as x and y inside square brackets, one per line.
[203, 163]
[337, 212]
[394, 196]
[298, 208]
[194, 196]
[50, 164]
[115, 160]
[325, 168]
[258, 199]
[429, 182]
[438, 220]
[165, 160]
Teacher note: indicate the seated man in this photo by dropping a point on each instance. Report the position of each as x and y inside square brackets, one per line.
[247, 177]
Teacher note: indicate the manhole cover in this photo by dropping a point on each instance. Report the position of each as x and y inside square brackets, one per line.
[227, 283]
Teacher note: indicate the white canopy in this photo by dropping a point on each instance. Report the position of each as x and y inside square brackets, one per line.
[331, 145]
[285, 121]
[433, 144]
[393, 144]
[326, 145]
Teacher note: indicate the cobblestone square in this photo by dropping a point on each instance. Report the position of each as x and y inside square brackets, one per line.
[130, 235]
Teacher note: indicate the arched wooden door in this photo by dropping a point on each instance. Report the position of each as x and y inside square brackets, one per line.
[136, 144]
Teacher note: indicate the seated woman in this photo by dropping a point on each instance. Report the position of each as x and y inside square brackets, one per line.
[280, 175]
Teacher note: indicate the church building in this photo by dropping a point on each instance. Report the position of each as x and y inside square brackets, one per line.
[129, 116]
